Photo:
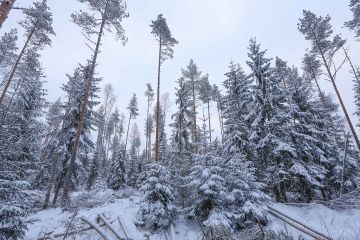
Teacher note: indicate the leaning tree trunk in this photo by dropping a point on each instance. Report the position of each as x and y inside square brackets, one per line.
[82, 116]
[5, 8]
[208, 106]
[12, 73]
[158, 107]
[337, 92]
[351, 65]
[52, 179]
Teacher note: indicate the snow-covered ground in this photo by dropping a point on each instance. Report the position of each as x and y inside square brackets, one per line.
[344, 225]
[339, 225]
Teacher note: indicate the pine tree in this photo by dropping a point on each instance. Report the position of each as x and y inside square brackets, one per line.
[162, 33]
[111, 13]
[5, 8]
[37, 25]
[157, 210]
[319, 31]
[354, 24]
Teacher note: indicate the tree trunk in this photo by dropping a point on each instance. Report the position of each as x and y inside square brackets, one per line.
[82, 115]
[337, 93]
[11, 76]
[147, 131]
[351, 65]
[158, 108]
[5, 8]
[208, 105]
[221, 129]
[127, 133]
[52, 178]
[194, 112]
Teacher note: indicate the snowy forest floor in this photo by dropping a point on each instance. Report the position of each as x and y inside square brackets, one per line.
[339, 225]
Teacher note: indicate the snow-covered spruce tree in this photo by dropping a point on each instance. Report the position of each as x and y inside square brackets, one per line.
[319, 32]
[38, 26]
[192, 75]
[103, 15]
[157, 210]
[162, 34]
[180, 149]
[21, 130]
[236, 103]
[245, 200]
[208, 192]
[354, 23]
[8, 50]
[269, 124]
[75, 94]
[116, 170]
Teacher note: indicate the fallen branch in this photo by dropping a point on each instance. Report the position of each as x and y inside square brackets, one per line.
[122, 227]
[97, 228]
[110, 227]
[47, 235]
[303, 225]
[298, 226]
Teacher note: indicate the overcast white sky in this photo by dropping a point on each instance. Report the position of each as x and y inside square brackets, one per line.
[210, 32]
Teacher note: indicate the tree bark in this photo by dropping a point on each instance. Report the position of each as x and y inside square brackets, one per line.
[5, 8]
[12, 73]
[82, 114]
[158, 107]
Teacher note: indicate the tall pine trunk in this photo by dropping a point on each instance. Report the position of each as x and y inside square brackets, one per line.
[147, 131]
[194, 119]
[12, 73]
[127, 132]
[337, 92]
[89, 79]
[158, 107]
[208, 106]
[5, 8]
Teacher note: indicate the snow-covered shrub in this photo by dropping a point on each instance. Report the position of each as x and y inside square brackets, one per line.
[157, 210]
